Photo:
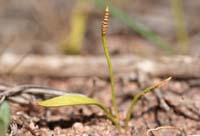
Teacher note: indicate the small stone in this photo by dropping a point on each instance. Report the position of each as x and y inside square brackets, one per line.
[78, 125]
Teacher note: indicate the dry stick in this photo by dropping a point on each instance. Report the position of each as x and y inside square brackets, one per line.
[11, 93]
[180, 112]
[163, 127]
[20, 99]
[193, 109]
[33, 89]
[162, 102]
[183, 67]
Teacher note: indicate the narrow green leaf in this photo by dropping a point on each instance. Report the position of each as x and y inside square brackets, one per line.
[69, 100]
[4, 118]
[139, 95]
[77, 99]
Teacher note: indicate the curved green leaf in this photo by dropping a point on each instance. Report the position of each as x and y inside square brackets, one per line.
[69, 100]
[139, 95]
[76, 99]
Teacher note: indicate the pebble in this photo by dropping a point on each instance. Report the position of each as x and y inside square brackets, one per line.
[78, 125]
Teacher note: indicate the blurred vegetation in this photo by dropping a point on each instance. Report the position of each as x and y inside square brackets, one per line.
[137, 27]
[180, 26]
[78, 21]
[75, 39]
[64, 26]
[72, 44]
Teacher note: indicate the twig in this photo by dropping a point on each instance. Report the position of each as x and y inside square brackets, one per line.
[33, 89]
[9, 92]
[161, 100]
[164, 127]
[179, 112]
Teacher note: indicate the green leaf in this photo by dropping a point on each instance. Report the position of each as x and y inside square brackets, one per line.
[69, 100]
[4, 118]
[139, 95]
[77, 99]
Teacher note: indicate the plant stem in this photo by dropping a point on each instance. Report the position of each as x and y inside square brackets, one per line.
[139, 95]
[110, 116]
[111, 74]
[133, 103]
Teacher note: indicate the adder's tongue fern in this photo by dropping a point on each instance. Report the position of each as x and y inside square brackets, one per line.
[77, 99]
[103, 32]
[105, 21]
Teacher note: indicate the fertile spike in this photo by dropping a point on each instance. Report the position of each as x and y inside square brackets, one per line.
[105, 21]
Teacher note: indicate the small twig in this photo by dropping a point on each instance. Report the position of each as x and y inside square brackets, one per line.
[10, 92]
[33, 89]
[164, 127]
[177, 110]
[52, 92]
[192, 109]
[19, 100]
[161, 100]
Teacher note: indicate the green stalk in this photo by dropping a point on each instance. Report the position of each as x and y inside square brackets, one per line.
[109, 115]
[111, 74]
[133, 103]
[104, 42]
[138, 96]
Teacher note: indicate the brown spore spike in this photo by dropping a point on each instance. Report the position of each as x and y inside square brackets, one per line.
[105, 21]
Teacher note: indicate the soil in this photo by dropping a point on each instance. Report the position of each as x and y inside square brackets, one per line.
[180, 108]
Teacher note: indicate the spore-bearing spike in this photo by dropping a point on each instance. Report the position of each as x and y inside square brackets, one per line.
[105, 21]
